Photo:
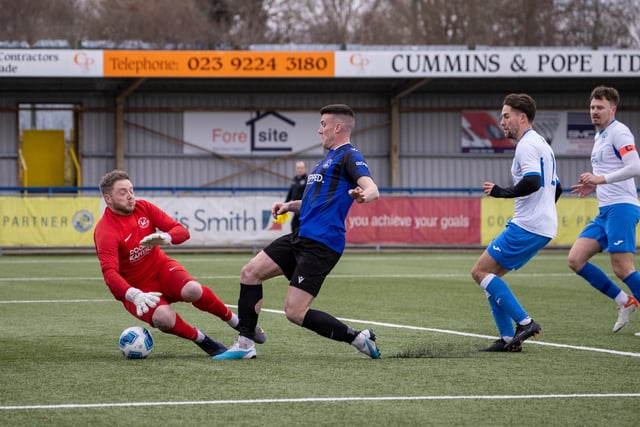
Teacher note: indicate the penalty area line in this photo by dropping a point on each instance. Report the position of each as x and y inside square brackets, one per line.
[321, 399]
[468, 334]
[374, 323]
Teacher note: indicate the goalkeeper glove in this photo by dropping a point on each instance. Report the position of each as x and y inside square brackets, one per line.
[156, 239]
[142, 300]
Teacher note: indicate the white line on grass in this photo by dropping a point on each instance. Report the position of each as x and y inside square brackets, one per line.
[337, 276]
[467, 334]
[49, 278]
[371, 322]
[223, 258]
[70, 260]
[217, 258]
[56, 301]
[320, 399]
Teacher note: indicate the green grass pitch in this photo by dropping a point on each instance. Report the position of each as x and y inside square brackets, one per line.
[60, 364]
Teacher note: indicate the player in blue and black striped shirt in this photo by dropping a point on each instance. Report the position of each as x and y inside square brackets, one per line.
[307, 256]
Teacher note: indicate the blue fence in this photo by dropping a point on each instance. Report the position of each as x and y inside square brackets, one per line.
[225, 190]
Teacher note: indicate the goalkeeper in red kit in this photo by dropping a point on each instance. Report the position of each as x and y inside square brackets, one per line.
[141, 275]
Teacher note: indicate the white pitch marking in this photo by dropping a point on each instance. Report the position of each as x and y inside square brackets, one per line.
[319, 399]
[384, 324]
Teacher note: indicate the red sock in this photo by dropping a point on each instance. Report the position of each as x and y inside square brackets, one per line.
[183, 329]
[210, 303]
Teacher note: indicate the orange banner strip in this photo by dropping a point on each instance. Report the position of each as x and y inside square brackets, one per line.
[212, 64]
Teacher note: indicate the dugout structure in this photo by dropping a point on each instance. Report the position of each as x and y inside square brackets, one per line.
[227, 123]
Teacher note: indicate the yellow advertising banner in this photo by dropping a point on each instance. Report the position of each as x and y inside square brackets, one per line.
[48, 221]
[573, 214]
[494, 214]
[69, 221]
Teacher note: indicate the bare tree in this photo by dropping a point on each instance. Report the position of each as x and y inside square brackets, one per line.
[590, 23]
[522, 23]
[466, 22]
[29, 21]
[249, 22]
[237, 23]
[200, 23]
[156, 21]
[320, 21]
[598, 23]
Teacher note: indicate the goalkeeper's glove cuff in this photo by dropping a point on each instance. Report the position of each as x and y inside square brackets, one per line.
[156, 239]
[143, 301]
[166, 237]
[132, 293]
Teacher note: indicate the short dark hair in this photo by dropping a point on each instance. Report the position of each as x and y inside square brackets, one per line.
[338, 109]
[521, 102]
[605, 92]
[107, 181]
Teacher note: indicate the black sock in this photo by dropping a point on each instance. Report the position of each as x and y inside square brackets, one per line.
[249, 297]
[328, 326]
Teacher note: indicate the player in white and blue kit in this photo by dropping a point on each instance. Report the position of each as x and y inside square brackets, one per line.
[534, 223]
[615, 163]
[307, 255]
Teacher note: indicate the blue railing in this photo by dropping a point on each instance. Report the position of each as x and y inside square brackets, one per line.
[229, 190]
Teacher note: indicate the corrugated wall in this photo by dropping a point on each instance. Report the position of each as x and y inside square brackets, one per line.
[8, 152]
[154, 153]
[98, 135]
[429, 139]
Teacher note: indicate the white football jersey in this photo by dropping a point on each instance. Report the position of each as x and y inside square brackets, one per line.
[605, 159]
[536, 212]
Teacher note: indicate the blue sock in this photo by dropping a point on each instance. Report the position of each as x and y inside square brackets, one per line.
[505, 299]
[599, 280]
[502, 319]
[633, 282]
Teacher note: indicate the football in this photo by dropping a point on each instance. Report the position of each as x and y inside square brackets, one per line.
[136, 343]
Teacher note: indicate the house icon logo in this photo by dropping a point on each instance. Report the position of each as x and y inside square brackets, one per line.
[270, 131]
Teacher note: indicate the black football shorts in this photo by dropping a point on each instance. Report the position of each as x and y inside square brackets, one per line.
[305, 262]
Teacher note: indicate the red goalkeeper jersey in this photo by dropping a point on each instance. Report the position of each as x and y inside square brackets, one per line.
[123, 260]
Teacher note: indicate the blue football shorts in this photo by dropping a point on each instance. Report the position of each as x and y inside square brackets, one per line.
[515, 246]
[614, 228]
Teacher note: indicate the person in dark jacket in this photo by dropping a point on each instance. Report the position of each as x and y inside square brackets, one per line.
[296, 191]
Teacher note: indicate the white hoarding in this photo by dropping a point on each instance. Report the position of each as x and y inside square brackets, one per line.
[50, 63]
[262, 133]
